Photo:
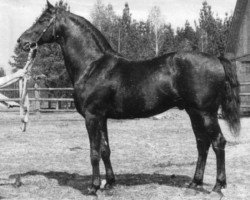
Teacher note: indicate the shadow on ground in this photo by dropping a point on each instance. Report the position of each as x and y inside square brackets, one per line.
[82, 183]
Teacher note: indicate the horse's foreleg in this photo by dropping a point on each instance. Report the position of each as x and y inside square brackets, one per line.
[93, 125]
[105, 153]
[203, 144]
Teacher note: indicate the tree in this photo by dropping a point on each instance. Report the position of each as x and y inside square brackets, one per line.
[223, 28]
[98, 14]
[104, 18]
[186, 38]
[206, 28]
[212, 32]
[2, 72]
[126, 35]
[126, 18]
[169, 40]
[156, 23]
[145, 51]
[19, 59]
[190, 35]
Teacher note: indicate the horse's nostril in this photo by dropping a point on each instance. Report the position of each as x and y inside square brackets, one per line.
[18, 40]
[32, 45]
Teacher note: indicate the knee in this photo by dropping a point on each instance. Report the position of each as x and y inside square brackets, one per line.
[105, 151]
[220, 141]
[203, 145]
[211, 126]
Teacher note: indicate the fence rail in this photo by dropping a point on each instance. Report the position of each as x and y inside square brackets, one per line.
[53, 103]
[244, 83]
[37, 100]
[38, 89]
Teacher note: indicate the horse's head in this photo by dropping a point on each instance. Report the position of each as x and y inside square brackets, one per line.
[42, 31]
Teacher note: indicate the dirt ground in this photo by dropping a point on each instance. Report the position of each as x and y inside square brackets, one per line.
[152, 159]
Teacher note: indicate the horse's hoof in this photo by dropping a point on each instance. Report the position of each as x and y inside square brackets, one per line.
[216, 195]
[17, 183]
[194, 185]
[108, 186]
[217, 188]
[92, 191]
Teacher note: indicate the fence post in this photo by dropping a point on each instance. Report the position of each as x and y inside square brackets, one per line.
[57, 105]
[37, 96]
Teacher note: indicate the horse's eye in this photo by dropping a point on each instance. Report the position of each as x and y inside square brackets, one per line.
[42, 20]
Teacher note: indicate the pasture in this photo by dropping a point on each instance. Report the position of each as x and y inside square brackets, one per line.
[52, 159]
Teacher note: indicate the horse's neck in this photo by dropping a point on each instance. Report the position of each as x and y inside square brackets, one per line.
[80, 47]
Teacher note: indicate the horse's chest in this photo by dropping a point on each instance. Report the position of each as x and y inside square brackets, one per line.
[89, 97]
[81, 94]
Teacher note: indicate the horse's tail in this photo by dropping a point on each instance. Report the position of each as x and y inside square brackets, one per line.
[231, 100]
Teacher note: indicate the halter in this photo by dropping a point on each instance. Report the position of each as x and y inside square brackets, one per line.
[44, 30]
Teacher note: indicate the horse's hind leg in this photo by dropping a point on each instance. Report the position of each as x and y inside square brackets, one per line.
[105, 154]
[213, 132]
[219, 143]
[203, 144]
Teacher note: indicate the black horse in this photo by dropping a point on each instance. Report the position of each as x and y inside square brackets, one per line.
[107, 85]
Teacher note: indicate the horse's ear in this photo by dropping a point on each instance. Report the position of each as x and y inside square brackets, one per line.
[49, 5]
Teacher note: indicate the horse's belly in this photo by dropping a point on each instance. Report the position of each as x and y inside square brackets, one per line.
[139, 105]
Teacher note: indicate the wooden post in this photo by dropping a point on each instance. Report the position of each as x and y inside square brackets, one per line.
[49, 102]
[37, 96]
[57, 105]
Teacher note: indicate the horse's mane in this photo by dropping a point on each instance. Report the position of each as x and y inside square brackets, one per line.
[98, 37]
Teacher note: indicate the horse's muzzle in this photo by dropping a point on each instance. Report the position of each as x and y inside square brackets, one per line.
[25, 45]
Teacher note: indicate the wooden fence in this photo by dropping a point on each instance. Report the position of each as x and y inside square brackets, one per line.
[245, 97]
[53, 104]
[43, 104]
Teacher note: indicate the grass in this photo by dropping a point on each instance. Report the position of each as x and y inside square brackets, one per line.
[152, 159]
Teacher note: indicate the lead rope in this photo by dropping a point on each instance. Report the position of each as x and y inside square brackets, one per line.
[24, 98]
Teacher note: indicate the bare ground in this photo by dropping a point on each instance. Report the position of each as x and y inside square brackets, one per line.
[152, 159]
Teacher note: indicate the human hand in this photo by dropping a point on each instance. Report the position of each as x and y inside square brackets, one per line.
[21, 73]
